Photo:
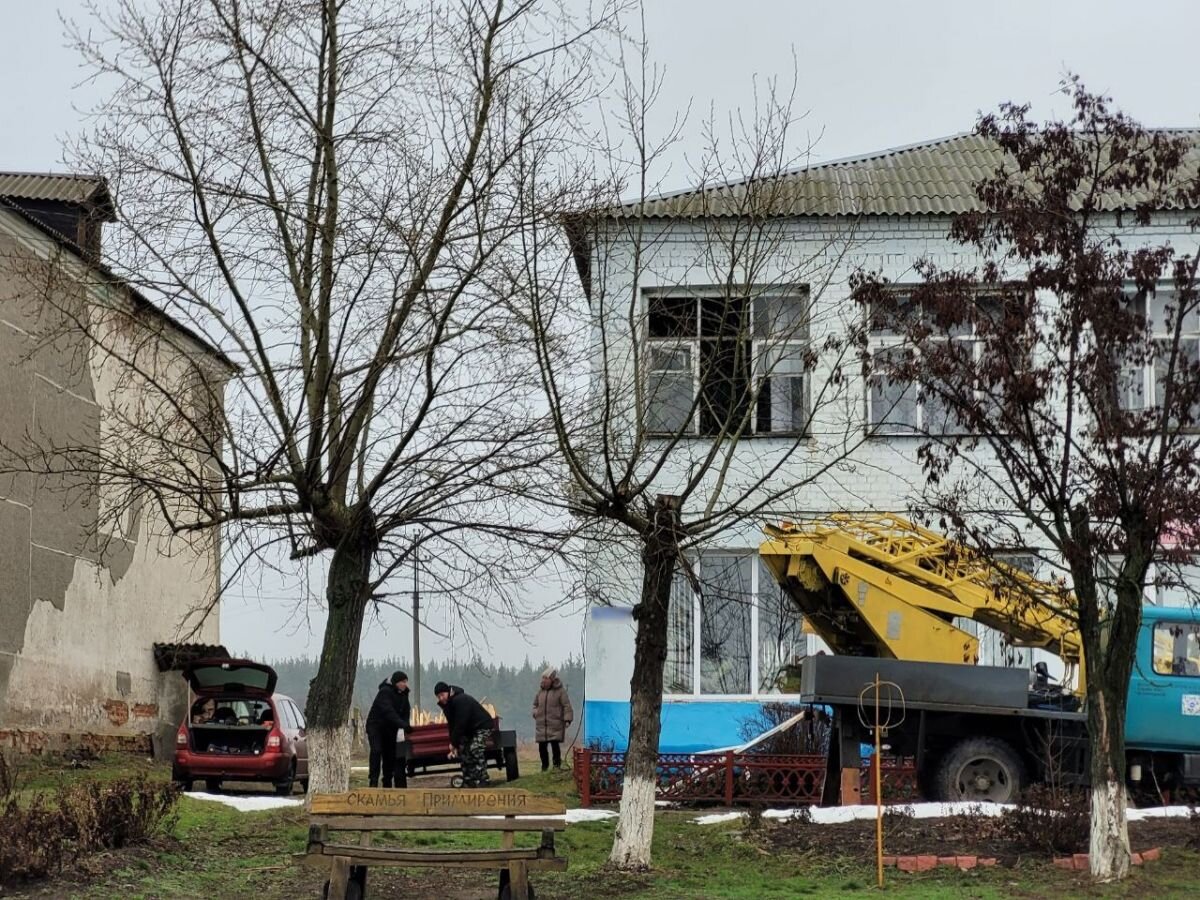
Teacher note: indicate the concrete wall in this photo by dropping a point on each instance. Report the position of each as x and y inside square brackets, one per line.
[878, 474]
[89, 576]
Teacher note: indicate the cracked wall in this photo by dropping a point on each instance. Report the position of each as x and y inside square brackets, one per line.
[83, 595]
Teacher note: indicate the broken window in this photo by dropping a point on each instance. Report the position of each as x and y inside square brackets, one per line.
[721, 365]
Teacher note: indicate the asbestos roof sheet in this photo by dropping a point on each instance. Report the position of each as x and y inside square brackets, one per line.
[53, 186]
[932, 178]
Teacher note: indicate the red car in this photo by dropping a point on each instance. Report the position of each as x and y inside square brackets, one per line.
[239, 729]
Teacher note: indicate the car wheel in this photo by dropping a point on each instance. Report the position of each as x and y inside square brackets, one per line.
[512, 768]
[284, 788]
[981, 770]
[304, 785]
[212, 785]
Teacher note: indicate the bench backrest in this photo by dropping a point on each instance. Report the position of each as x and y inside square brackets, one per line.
[437, 809]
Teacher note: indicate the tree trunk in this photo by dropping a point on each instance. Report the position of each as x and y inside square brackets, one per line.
[635, 828]
[328, 709]
[1108, 693]
[1108, 850]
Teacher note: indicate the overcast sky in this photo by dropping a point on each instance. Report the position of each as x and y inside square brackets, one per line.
[873, 75]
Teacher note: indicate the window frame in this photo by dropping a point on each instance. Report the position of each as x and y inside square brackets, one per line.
[756, 692]
[1146, 373]
[759, 348]
[883, 339]
[1165, 625]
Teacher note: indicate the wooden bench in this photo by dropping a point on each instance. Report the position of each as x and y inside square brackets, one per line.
[369, 811]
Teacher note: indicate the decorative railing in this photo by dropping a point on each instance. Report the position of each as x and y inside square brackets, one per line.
[733, 778]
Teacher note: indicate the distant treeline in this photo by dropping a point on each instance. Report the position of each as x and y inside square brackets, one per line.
[509, 688]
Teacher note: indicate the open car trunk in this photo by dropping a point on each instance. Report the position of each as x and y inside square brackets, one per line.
[229, 740]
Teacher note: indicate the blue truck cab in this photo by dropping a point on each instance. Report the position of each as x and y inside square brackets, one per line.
[1162, 721]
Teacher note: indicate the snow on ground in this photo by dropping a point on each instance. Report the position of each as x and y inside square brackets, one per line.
[589, 815]
[573, 816]
[831, 815]
[1159, 812]
[246, 802]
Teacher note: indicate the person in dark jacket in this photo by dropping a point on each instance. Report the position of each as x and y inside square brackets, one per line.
[470, 724]
[389, 714]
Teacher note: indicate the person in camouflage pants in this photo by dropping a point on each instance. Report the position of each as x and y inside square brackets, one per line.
[474, 761]
[470, 724]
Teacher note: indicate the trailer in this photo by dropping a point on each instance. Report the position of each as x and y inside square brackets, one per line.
[884, 594]
[426, 749]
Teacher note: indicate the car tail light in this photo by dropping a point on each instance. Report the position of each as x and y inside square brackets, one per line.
[181, 737]
[274, 740]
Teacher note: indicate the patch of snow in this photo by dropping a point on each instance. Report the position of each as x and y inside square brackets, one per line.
[665, 804]
[589, 815]
[718, 818]
[834, 815]
[245, 802]
[1159, 812]
[572, 817]
[360, 769]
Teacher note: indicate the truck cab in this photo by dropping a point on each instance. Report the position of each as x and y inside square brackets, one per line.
[1163, 715]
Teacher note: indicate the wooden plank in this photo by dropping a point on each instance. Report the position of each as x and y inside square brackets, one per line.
[440, 857]
[435, 802]
[437, 823]
[519, 880]
[557, 864]
[339, 878]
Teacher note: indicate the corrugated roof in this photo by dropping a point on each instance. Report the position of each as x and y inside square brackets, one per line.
[932, 178]
[66, 188]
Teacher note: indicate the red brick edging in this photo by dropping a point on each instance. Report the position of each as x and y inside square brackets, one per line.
[1078, 862]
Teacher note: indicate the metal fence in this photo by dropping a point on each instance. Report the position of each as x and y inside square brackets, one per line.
[733, 778]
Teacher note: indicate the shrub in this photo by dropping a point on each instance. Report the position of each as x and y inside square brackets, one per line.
[1049, 819]
[38, 837]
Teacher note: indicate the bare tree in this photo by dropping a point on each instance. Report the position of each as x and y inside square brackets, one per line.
[332, 192]
[709, 392]
[1065, 362]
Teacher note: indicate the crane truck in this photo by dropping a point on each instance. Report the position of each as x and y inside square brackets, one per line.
[885, 594]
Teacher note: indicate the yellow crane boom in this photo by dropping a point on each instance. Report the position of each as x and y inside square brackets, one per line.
[879, 585]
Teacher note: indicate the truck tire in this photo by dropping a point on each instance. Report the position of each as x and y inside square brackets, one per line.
[983, 769]
[512, 768]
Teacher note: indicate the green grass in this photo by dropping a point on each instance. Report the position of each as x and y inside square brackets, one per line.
[215, 851]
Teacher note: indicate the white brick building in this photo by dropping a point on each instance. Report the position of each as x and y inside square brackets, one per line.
[881, 213]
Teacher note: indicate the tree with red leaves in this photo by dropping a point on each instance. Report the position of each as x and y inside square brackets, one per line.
[1066, 372]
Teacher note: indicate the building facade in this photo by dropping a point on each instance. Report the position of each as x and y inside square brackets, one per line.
[90, 579]
[731, 642]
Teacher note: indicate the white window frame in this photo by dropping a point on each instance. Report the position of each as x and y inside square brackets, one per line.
[755, 692]
[880, 341]
[1145, 373]
[759, 348]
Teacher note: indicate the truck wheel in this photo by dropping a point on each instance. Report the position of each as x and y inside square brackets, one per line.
[512, 770]
[212, 785]
[980, 770]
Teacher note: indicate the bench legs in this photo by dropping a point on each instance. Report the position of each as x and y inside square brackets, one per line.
[514, 882]
[346, 882]
[339, 878]
[519, 880]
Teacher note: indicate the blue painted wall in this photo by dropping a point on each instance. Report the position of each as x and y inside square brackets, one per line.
[687, 727]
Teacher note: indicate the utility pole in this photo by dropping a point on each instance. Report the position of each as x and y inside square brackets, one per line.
[416, 617]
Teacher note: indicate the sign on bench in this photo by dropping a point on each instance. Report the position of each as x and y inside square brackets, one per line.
[371, 810]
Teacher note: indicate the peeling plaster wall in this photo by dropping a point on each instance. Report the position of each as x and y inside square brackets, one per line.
[82, 599]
